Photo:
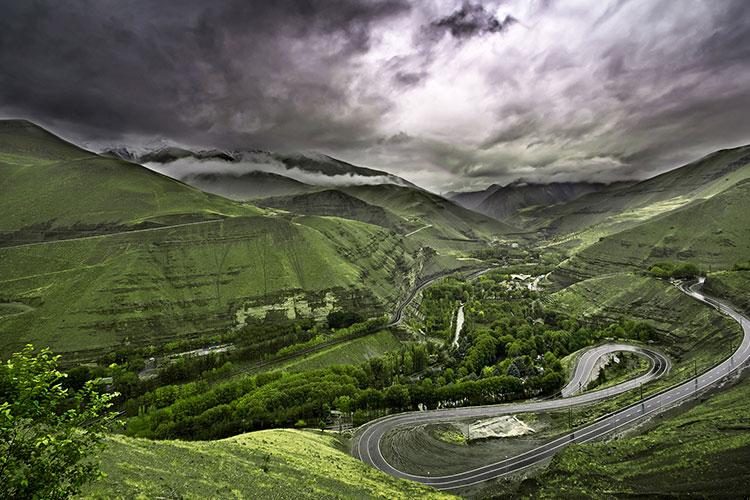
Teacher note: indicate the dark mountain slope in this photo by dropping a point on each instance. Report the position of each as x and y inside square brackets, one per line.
[713, 233]
[332, 202]
[472, 199]
[505, 202]
[247, 186]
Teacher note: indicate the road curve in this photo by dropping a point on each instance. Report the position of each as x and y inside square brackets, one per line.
[588, 362]
[367, 442]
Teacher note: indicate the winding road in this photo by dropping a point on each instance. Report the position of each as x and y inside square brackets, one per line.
[366, 444]
[587, 364]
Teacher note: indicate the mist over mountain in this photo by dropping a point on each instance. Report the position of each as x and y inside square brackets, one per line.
[214, 168]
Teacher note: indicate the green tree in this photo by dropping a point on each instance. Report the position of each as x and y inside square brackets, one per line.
[48, 433]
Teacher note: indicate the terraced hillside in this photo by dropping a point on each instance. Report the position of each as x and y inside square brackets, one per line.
[264, 464]
[134, 289]
[713, 232]
[204, 265]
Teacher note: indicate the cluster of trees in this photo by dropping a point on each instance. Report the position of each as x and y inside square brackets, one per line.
[511, 348]
[255, 341]
[438, 305]
[678, 270]
[282, 399]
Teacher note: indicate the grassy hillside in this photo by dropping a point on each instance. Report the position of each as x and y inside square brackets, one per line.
[337, 203]
[247, 186]
[136, 289]
[49, 185]
[732, 286]
[714, 233]
[349, 353]
[448, 221]
[703, 452]
[687, 330]
[299, 464]
[590, 217]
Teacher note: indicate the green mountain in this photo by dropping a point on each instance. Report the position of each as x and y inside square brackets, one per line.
[336, 203]
[713, 233]
[247, 186]
[53, 189]
[101, 253]
[587, 219]
[443, 221]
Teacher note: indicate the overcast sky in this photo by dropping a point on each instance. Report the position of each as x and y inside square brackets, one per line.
[446, 94]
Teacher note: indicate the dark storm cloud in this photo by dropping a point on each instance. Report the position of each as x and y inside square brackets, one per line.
[441, 93]
[471, 20]
[268, 73]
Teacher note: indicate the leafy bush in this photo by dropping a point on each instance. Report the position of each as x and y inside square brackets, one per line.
[678, 270]
[48, 432]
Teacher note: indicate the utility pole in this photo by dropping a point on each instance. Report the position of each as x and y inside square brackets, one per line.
[695, 374]
[570, 418]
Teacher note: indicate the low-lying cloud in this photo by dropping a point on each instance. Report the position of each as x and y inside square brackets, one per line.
[185, 168]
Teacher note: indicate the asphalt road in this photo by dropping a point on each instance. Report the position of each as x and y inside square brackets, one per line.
[588, 362]
[367, 441]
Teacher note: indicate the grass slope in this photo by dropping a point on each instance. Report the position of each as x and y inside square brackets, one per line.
[49, 183]
[703, 452]
[449, 221]
[248, 185]
[96, 294]
[715, 233]
[590, 217]
[337, 203]
[226, 262]
[353, 352]
[301, 465]
[732, 286]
